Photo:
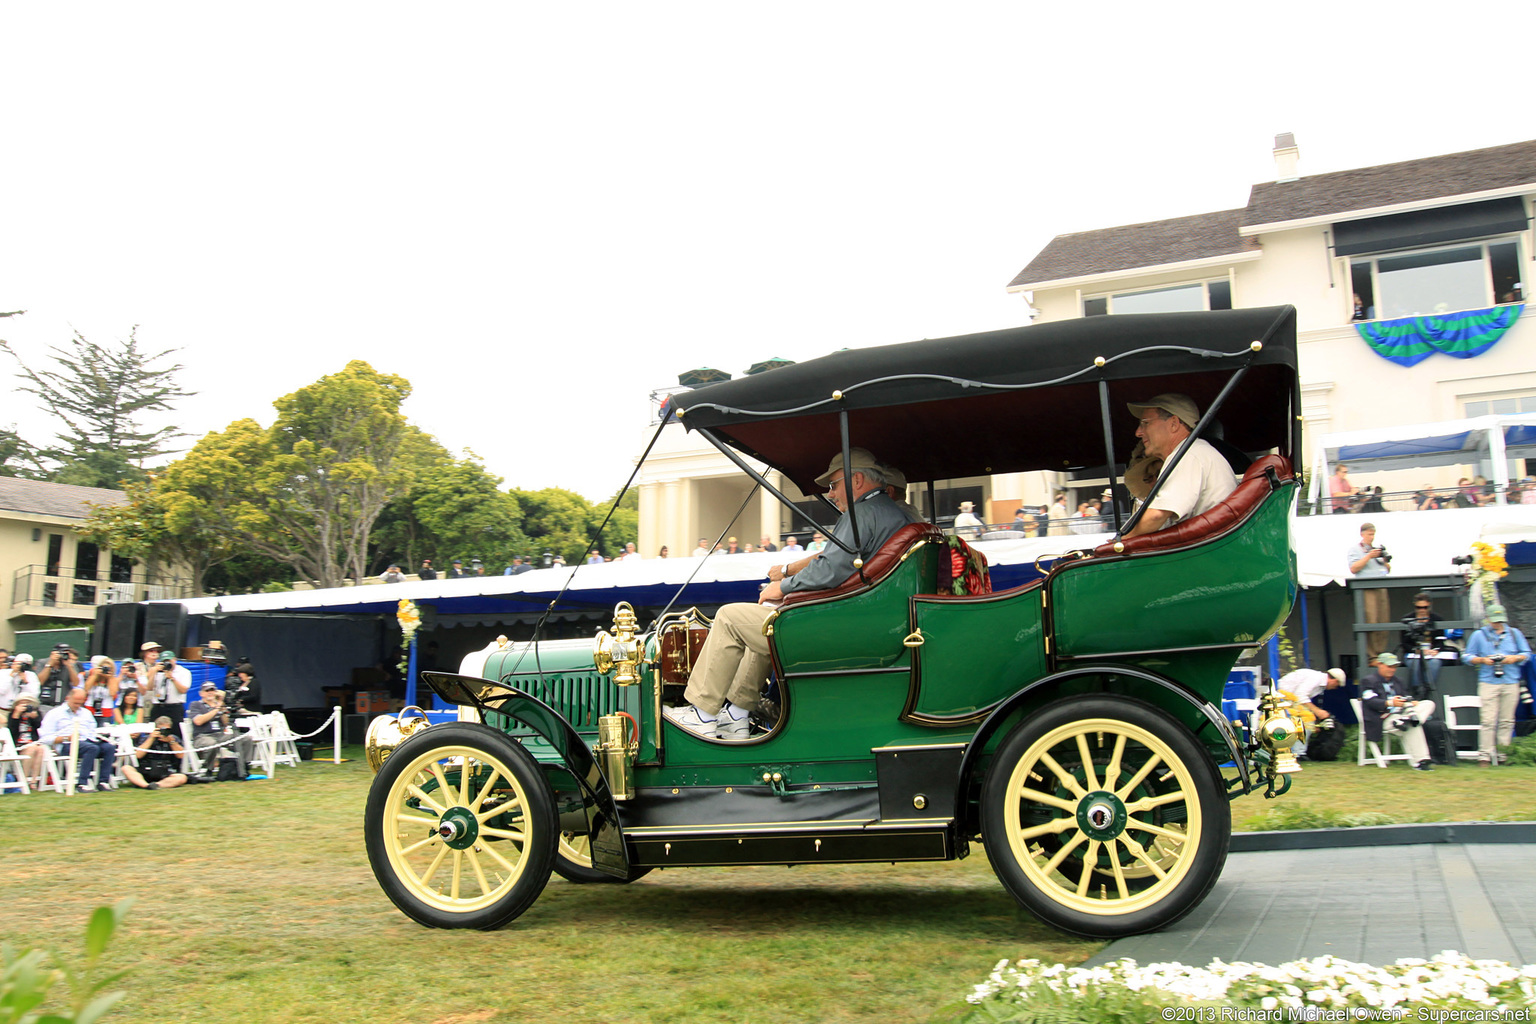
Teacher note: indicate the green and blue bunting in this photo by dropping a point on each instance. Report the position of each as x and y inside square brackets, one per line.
[1464, 334]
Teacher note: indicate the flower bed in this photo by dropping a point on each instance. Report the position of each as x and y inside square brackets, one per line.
[1325, 988]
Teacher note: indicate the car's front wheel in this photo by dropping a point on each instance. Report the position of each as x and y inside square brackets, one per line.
[1104, 817]
[460, 827]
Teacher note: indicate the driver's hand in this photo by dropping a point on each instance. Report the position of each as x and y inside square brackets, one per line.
[775, 573]
[772, 592]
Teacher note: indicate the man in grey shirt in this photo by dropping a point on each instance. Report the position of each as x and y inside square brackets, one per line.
[733, 665]
[1368, 560]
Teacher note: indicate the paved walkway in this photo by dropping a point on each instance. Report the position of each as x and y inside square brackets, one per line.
[1371, 904]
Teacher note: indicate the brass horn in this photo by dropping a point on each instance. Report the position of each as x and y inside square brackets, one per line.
[387, 732]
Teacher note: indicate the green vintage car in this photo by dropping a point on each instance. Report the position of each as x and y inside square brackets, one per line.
[1069, 721]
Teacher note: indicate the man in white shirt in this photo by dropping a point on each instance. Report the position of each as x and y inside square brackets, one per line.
[18, 680]
[59, 731]
[702, 549]
[792, 547]
[168, 682]
[1306, 683]
[1200, 481]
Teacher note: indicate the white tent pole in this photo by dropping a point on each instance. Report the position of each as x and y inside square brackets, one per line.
[1321, 474]
[1500, 461]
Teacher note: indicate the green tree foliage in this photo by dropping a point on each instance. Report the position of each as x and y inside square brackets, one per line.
[99, 395]
[308, 490]
[452, 509]
[561, 521]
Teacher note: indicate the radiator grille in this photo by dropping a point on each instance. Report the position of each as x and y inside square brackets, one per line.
[581, 697]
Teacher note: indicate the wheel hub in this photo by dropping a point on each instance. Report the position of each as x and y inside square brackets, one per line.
[458, 828]
[1101, 815]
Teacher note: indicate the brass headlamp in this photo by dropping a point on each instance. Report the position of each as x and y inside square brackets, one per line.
[619, 652]
[387, 732]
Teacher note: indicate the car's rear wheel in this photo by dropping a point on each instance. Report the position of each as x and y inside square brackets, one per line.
[460, 827]
[573, 862]
[1104, 817]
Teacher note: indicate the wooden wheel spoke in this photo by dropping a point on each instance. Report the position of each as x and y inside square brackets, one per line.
[1063, 776]
[433, 838]
[505, 833]
[427, 799]
[1053, 827]
[1141, 773]
[1063, 853]
[1049, 799]
[1148, 803]
[1140, 853]
[458, 873]
[474, 806]
[442, 784]
[1112, 771]
[415, 819]
[1086, 878]
[437, 862]
[1118, 870]
[491, 812]
[1157, 830]
[1086, 757]
[508, 866]
[474, 862]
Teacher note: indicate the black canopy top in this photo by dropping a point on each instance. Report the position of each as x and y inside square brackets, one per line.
[1008, 401]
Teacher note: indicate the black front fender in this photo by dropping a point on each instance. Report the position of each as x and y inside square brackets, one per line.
[977, 748]
[487, 695]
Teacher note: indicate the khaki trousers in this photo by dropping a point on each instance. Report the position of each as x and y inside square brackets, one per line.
[1496, 716]
[733, 664]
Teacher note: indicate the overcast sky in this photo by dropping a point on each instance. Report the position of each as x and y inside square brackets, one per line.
[538, 214]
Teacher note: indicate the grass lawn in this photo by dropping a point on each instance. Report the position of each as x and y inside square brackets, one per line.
[256, 903]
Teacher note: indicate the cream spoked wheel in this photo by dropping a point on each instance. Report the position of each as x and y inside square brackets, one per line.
[1105, 817]
[460, 827]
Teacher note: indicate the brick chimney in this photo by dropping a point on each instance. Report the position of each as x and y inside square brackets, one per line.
[1286, 157]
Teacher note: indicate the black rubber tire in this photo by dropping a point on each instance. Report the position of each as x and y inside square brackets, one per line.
[576, 868]
[1062, 897]
[389, 849]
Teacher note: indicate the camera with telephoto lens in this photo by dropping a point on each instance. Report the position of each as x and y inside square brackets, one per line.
[1383, 554]
[1461, 559]
[1402, 723]
[1498, 666]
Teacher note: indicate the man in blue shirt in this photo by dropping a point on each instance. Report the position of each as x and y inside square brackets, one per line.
[727, 680]
[1498, 650]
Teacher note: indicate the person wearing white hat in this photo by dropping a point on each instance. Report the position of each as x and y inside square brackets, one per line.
[18, 681]
[1200, 481]
[967, 521]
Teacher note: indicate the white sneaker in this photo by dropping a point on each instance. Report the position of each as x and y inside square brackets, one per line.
[688, 717]
[728, 728]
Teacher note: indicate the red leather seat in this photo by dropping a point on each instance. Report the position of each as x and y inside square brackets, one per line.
[1238, 506]
[877, 567]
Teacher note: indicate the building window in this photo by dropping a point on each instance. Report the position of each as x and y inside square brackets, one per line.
[1499, 406]
[84, 595]
[1182, 298]
[87, 561]
[122, 569]
[1433, 282]
[55, 552]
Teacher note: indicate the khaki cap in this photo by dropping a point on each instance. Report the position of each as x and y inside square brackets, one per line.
[858, 458]
[1181, 406]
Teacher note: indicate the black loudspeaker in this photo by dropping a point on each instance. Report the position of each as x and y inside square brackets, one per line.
[166, 625]
[119, 638]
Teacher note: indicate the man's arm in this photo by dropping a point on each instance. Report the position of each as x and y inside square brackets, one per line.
[1152, 520]
[778, 572]
[203, 718]
[1364, 560]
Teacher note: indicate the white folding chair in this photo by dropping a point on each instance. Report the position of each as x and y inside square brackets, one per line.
[1378, 753]
[11, 764]
[258, 728]
[284, 740]
[60, 770]
[191, 764]
[1455, 724]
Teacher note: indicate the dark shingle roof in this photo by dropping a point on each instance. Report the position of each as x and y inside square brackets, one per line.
[41, 498]
[1137, 245]
[1409, 181]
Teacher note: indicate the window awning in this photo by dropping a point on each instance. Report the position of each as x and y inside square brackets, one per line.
[1430, 227]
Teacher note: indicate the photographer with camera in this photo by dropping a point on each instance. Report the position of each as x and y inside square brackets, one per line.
[1421, 644]
[1498, 650]
[211, 728]
[59, 674]
[17, 680]
[159, 755]
[1369, 560]
[1386, 703]
[168, 682]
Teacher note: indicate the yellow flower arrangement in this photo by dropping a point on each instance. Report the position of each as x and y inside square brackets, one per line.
[1487, 568]
[409, 617]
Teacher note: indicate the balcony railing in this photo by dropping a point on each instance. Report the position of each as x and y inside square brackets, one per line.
[51, 587]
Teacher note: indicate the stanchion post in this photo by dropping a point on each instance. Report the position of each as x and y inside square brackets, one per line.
[336, 732]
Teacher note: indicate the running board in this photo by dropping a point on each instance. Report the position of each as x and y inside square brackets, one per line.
[719, 846]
